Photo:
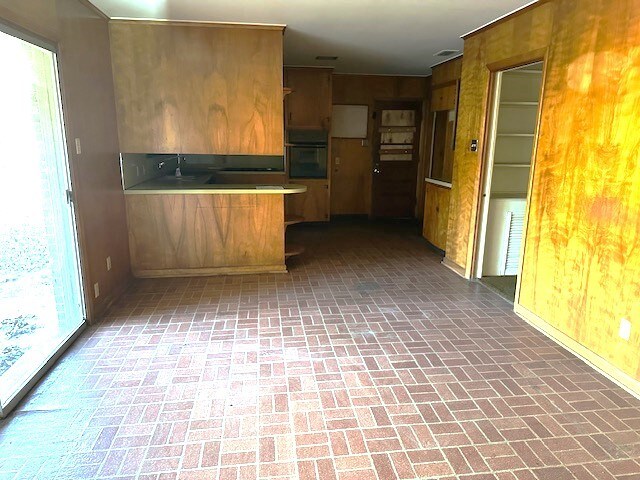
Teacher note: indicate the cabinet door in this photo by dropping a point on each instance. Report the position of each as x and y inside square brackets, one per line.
[436, 215]
[309, 104]
[313, 205]
[197, 89]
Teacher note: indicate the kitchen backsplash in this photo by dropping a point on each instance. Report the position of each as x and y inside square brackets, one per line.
[224, 162]
[140, 167]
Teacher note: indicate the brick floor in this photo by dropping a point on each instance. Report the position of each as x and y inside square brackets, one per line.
[369, 361]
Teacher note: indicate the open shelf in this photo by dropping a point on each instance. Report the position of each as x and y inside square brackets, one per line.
[293, 219]
[515, 135]
[512, 165]
[519, 104]
[293, 249]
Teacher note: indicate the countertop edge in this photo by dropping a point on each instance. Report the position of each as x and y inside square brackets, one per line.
[229, 190]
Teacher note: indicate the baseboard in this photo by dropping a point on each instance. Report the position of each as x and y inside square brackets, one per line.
[209, 271]
[613, 373]
[98, 310]
[454, 267]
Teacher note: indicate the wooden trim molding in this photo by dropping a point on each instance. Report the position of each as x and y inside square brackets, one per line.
[440, 183]
[505, 18]
[197, 23]
[206, 272]
[454, 267]
[597, 362]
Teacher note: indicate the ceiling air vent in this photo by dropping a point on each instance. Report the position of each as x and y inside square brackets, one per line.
[329, 58]
[445, 53]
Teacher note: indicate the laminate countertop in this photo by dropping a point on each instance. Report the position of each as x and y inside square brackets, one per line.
[198, 185]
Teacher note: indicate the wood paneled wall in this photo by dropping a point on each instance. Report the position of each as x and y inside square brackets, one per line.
[525, 36]
[198, 88]
[351, 179]
[443, 95]
[89, 113]
[436, 215]
[581, 268]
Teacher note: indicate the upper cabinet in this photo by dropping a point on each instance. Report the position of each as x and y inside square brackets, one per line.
[198, 88]
[309, 103]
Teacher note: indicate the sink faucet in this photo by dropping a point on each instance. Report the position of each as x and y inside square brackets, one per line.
[178, 172]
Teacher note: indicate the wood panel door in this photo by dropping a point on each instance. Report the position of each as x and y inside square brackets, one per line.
[312, 205]
[309, 103]
[395, 159]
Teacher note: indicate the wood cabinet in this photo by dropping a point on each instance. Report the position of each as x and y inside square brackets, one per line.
[436, 215]
[309, 103]
[198, 88]
[444, 98]
[313, 205]
[183, 235]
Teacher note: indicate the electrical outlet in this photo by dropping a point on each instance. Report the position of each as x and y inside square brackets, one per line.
[108, 263]
[625, 329]
[78, 147]
[96, 290]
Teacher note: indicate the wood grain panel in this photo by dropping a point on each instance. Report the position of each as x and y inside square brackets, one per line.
[582, 238]
[309, 103]
[198, 88]
[351, 179]
[183, 235]
[312, 205]
[146, 77]
[583, 235]
[444, 98]
[521, 38]
[436, 215]
[447, 72]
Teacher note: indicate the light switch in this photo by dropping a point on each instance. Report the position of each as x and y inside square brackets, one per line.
[78, 147]
[337, 160]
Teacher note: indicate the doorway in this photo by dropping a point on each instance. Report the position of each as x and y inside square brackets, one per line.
[507, 170]
[395, 159]
[41, 302]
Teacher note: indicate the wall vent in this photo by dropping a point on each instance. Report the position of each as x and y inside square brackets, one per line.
[445, 53]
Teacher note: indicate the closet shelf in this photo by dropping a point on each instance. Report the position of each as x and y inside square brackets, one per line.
[519, 104]
[512, 165]
[515, 135]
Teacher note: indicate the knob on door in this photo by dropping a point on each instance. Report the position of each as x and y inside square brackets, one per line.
[376, 170]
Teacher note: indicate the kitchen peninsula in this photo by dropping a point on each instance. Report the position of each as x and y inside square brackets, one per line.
[188, 227]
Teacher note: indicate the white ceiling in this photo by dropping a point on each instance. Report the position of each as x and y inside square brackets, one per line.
[369, 36]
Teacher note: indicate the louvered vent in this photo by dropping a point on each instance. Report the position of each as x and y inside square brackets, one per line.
[514, 241]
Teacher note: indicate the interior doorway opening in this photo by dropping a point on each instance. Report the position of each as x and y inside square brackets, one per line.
[506, 176]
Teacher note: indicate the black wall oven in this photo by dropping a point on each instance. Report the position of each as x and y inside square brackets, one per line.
[307, 152]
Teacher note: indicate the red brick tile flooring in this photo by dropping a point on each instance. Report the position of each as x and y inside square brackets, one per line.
[369, 360]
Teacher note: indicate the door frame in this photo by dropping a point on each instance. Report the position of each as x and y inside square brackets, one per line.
[378, 105]
[479, 230]
[53, 47]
